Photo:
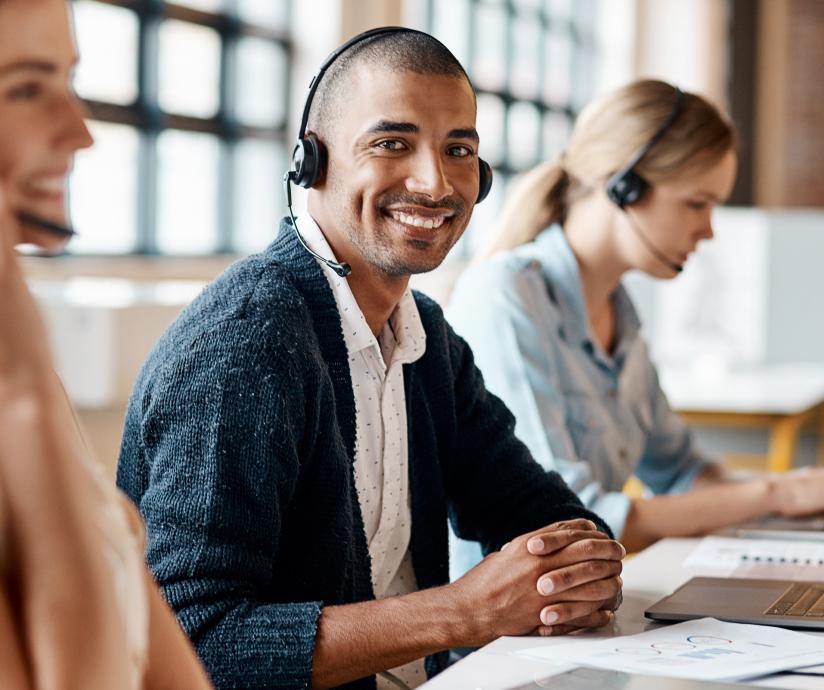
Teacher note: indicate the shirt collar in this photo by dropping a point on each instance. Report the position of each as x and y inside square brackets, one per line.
[407, 329]
[560, 267]
[405, 320]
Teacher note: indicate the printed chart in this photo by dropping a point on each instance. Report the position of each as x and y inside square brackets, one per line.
[704, 649]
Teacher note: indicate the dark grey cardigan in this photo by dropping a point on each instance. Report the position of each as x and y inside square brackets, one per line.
[238, 449]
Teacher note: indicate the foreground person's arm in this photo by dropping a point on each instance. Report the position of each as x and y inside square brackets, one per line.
[172, 662]
[500, 596]
[62, 588]
[12, 660]
[59, 578]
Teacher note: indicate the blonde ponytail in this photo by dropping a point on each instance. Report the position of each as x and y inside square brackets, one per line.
[534, 200]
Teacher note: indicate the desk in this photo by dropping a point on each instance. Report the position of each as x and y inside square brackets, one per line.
[653, 573]
[782, 398]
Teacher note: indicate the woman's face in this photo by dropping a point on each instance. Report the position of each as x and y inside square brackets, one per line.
[41, 120]
[665, 226]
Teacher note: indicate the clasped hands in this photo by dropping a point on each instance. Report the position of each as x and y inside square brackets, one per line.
[553, 581]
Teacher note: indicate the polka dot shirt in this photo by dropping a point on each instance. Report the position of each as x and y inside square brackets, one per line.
[381, 450]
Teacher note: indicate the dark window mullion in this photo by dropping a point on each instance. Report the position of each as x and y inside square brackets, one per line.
[147, 102]
[227, 115]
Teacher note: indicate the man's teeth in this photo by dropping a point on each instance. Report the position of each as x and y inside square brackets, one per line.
[419, 221]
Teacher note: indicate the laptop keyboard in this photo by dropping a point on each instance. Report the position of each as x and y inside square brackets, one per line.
[800, 599]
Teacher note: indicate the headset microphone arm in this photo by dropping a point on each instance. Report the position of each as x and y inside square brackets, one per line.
[57, 229]
[342, 269]
[650, 246]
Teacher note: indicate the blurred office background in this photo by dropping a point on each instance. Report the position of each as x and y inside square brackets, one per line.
[195, 105]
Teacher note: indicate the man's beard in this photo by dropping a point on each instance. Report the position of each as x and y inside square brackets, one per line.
[382, 253]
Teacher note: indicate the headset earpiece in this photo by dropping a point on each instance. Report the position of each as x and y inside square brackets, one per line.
[626, 187]
[307, 161]
[484, 180]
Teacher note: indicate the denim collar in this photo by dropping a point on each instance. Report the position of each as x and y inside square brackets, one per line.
[563, 278]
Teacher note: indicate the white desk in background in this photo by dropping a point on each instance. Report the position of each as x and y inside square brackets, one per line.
[782, 398]
[650, 575]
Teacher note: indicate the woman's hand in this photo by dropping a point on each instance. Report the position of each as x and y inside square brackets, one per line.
[799, 493]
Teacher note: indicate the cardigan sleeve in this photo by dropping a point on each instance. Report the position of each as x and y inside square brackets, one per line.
[217, 429]
[496, 490]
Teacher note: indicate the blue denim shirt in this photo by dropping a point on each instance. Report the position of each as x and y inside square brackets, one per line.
[595, 418]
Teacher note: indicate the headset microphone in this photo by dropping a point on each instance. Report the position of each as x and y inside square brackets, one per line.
[342, 269]
[626, 187]
[650, 246]
[57, 229]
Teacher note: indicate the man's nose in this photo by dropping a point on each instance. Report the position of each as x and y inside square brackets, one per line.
[428, 176]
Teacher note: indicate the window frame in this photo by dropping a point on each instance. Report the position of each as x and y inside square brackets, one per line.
[580, 27]
[146, 116]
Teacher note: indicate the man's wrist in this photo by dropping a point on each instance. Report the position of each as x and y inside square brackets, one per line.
[455, 622]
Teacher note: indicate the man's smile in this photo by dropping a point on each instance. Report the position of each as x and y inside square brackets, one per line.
[419, 219]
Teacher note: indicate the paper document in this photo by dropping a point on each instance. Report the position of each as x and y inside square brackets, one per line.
[759, 558]
[704, 649]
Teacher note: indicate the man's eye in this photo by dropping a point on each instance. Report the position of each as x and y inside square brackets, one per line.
[391, 145]
[25, 92]
[460, 151]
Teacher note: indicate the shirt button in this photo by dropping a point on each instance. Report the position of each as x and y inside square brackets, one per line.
[622, 453]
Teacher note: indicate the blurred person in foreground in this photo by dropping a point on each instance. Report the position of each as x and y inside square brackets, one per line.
[78, 607]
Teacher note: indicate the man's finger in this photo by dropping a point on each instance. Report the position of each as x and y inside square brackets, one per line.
[564, 613]
[597, 619]
[594, 581]
[548, 542]
[615, 603]
[577, 523]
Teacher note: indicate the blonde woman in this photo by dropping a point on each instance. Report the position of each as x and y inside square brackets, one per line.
[556, 334]
[78, 608]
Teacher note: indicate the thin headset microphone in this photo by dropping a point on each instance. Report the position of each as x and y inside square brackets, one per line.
[57, 229]
[650, 246]
[342, 269]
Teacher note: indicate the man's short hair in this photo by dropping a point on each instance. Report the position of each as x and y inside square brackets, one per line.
[402, 51]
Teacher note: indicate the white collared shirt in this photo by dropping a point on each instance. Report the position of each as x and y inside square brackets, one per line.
[381, 447]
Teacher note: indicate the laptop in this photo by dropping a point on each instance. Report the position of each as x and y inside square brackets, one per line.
[590, 678]
[775, 527]
[786, 603]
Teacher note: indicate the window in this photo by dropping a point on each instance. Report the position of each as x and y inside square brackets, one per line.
[532, 63]
[188, 105]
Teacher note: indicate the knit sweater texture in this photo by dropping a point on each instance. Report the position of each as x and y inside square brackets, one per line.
[239, 446]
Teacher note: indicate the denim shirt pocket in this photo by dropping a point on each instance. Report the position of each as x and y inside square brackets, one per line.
[585, 425]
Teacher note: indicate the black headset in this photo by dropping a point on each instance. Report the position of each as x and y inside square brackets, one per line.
[309, 155]
[626, 186]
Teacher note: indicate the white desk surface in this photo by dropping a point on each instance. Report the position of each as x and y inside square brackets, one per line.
[775, 389]
[648, 576]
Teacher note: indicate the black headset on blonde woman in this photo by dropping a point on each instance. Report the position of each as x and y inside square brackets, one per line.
[309, 156]
[626, 187]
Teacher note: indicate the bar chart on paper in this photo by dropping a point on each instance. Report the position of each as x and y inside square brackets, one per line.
[759, 558]
[704, 649]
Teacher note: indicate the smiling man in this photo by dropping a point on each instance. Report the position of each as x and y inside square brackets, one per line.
[299, 436]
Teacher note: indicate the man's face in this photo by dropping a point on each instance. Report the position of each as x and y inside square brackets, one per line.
[402, 174]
